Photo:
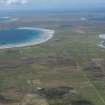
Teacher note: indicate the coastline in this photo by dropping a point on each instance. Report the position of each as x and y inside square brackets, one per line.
[102, 38]
[44, 37]
[8, 19]
[101, 45]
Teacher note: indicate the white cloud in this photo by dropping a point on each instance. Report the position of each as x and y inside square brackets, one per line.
[13, 2]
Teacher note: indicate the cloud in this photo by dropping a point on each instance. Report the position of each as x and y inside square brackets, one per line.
[13, 2]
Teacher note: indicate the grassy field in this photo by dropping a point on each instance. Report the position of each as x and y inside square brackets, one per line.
[67, 60]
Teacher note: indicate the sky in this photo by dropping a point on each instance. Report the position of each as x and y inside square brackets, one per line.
[50, 4]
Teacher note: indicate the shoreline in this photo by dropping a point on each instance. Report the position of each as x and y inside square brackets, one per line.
[46, 35]
[102, 38]
[8, 19]
[101, 45]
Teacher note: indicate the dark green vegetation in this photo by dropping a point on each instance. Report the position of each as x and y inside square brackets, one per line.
[67, 70]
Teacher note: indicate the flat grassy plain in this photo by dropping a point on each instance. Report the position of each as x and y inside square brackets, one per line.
[72, 58]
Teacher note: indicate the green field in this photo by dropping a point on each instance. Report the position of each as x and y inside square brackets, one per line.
[72, 58]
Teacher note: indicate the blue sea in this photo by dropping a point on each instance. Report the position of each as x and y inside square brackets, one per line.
[18, 36]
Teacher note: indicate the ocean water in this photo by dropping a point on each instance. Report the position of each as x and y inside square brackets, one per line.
[18, 36]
